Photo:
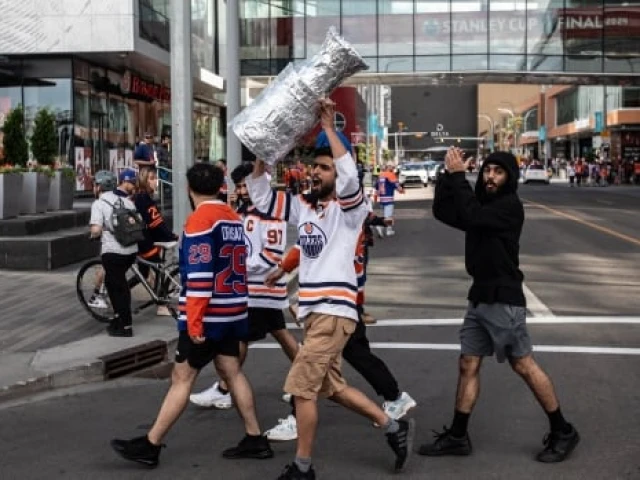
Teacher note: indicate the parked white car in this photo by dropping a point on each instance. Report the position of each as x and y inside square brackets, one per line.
[412, 174]
[535, 173]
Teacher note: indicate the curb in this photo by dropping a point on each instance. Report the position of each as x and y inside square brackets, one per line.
[92, 372]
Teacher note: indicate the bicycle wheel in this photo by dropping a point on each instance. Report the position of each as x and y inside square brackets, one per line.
[92, 293]
[171, 288]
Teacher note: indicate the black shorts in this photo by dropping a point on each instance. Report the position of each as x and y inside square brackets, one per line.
[263, 321]
[199, 355]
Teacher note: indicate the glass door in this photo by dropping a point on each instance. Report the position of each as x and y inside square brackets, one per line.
[99, 154]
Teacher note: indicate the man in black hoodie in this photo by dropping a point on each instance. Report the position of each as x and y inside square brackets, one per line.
[495, 321]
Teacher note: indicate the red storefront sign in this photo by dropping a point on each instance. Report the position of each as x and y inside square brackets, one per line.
[131, 83]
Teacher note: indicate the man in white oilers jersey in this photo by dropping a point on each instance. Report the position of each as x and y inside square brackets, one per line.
[266, 238]
[328, 230]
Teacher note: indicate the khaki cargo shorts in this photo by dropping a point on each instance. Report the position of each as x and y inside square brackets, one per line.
[316, 368]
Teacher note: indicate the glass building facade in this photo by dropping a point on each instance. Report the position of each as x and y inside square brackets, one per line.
[408, 36]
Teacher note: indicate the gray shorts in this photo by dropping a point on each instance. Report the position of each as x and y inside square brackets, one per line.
[495, 327]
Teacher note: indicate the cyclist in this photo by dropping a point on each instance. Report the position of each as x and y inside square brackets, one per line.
[104, 181]
[157, 229]
[116, 258]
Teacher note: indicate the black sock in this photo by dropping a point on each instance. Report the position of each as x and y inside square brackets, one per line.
[557, 422]
[223, 391]
[293, 406]
[459, 425]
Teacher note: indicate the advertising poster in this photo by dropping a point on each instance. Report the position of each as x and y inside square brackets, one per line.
[128, 158]
[79, 168]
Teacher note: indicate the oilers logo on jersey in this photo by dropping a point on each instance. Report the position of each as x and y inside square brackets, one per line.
[311, 239]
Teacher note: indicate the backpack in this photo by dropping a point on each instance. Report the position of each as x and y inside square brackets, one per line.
[127, 224]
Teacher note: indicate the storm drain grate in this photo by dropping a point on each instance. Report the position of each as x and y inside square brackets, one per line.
[133, 359]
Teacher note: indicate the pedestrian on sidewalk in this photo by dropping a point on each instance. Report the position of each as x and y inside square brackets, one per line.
[495, 321]
[212, 319]
[117, 259]
[157, 229]
[328, 234]
[266, 239]
[571, 173]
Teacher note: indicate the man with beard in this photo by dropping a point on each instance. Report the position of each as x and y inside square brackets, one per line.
[495, 321]
[266, 239]
[328, 231]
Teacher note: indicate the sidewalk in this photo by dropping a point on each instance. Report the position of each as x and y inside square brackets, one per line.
[48, 341]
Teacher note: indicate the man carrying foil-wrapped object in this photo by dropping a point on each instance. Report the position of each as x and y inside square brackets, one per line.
[329, 222]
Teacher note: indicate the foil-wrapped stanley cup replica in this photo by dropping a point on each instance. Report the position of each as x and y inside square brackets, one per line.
[288, 107]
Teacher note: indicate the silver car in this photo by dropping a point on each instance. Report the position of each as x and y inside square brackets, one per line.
[413, 174]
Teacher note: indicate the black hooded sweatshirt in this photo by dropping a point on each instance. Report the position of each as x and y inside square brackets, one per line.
[493, 224]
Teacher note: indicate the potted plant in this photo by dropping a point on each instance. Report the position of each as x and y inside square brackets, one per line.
[36, 182]
[10, 191]
[62, 188]
[16, 154]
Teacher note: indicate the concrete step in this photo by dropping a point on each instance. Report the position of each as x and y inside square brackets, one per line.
[44, 222]
[49, 250]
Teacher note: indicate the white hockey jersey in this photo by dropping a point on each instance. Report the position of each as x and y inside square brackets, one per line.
[266, 238]
[327, 235]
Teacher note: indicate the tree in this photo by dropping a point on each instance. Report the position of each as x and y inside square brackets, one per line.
[16, 148]
[44, 141]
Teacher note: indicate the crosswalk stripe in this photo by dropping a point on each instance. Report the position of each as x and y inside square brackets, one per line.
[551, 320]
[455, 346]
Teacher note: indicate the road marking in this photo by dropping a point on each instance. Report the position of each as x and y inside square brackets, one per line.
[455, 346]
[595, 226]
[534, 304]
[453, 322]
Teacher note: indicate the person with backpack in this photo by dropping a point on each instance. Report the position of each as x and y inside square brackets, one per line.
[114, 218]
[156, 229]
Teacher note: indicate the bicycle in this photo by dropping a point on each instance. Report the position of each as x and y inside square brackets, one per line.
[164, 290]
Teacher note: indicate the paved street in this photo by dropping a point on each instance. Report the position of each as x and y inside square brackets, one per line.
[580, 253]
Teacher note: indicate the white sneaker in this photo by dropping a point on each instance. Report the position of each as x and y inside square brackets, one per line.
[97, 300]
[380, 231]
[285, 431]
[286, 397]
[163, 311]
[212, 397]
[390, 232]
[399, 408]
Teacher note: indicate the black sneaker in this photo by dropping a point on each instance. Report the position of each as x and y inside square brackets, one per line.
[558, 446]
[401, 442]
[139, 450]
[115, 331]
[250, 447]
[447, 444]
[292, 472]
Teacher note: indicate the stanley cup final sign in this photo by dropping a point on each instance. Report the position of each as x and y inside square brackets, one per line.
[287, 109]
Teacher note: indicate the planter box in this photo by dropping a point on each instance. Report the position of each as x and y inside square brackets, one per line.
[35, 193]
[61, 193]
[10, 194]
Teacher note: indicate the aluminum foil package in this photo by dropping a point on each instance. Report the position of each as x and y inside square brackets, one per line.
[288, 108]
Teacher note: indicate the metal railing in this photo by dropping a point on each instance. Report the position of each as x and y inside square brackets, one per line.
[167, 181]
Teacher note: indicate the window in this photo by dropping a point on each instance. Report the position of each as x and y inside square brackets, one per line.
[631, 97]
[566, 107]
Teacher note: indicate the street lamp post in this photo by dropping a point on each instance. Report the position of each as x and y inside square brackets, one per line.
[492, 125]
[515, 120]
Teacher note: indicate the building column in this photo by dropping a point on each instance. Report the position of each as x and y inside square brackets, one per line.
[232, 82]
[181, 108]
